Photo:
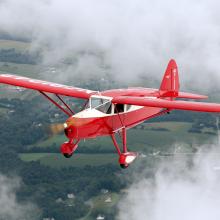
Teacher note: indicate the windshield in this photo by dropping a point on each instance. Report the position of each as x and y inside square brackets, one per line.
[101, 104]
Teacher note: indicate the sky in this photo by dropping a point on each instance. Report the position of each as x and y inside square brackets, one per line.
[129, 38]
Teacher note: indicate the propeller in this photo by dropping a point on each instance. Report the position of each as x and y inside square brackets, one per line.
[55, 129]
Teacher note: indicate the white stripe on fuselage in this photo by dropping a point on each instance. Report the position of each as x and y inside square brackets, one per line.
[93, 113]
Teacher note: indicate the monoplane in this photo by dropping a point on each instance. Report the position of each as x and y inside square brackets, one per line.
[111, 112]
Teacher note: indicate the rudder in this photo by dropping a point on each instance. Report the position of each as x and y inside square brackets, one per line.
[170, 84]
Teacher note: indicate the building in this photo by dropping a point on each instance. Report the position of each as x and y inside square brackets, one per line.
[108, 200]
[70, 196]
[100, 217]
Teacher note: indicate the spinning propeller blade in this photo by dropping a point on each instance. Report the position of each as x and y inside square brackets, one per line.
[56, 128]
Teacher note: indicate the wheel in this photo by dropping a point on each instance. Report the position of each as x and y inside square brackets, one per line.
[67, 155]
[124, 166]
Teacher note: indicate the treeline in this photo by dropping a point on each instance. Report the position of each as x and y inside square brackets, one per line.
[199, 120]
[55, 148]
[20, 127]
[45, 186]
[184, 116]
[14, 56]
[7, 36]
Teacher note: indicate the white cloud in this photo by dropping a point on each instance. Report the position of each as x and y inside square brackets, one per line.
[181, 189]
[134, 37]
[10, 208]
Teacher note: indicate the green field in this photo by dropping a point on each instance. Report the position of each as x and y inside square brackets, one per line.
[17, 45]
[171, 126]
[28, 70]
[57, 160]
[33, 156]
[3, 111]
[99, 204]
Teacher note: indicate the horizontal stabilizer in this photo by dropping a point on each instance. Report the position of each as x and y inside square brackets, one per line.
[186, 95]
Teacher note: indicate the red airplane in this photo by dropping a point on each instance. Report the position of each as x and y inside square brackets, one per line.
[114, 111]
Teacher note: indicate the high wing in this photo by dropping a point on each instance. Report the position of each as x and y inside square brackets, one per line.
[169, 104]
[44, 86]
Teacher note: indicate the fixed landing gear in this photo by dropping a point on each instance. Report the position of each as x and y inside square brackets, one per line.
[68, 148]
[124, 166]
[67, 155]
[125, 157]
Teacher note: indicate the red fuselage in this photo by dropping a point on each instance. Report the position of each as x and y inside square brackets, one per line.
[92, 122]
[101, 126]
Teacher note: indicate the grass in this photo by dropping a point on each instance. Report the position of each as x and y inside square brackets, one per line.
[32, 156]
[3, 111]
[99, 205]
[17, 45]
[56, 139]
[99, 201]
[60, 138]
[171, 126]
[57, 160]
[27, 70]
[162, 140]
[10, 92]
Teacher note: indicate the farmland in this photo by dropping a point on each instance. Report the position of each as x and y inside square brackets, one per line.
[56, 160]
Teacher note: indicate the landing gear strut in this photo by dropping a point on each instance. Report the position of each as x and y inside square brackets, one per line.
[125, 157]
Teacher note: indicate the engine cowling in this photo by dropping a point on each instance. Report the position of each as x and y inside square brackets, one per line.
[71, 132]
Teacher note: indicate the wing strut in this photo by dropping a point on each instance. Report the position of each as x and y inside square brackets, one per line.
[124, 141]
[65, 104]
[115, 143]
[55, 103]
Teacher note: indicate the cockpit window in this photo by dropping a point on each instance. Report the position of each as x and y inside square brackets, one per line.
[95, 102]
[119, 108]
[101, 104]
[128, 107]
[105, 108]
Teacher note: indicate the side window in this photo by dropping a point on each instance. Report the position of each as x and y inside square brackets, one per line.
[105, 108]
[128, 107]
[119, 108]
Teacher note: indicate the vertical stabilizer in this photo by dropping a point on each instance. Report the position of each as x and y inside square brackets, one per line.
[170, 83]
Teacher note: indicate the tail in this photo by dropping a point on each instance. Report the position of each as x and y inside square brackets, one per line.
[170, 83]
